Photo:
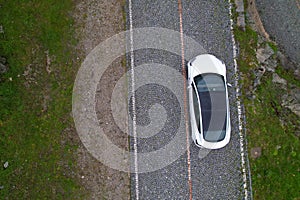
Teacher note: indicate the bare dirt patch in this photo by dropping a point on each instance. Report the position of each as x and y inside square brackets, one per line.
[96, 21]
[256, 18]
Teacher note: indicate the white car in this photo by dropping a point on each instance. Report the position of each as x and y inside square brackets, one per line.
[208, 102]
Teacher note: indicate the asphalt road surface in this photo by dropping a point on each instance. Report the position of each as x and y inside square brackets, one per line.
[216, 174]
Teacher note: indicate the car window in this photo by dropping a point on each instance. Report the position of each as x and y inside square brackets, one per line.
[196, 107]
[212, 94]
[209, 82]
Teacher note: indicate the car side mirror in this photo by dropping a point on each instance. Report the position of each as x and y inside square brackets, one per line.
[229, 85]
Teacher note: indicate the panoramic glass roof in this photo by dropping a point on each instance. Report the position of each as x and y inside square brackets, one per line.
[212, 94]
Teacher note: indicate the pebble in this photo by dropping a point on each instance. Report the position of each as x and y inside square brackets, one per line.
[5, 165]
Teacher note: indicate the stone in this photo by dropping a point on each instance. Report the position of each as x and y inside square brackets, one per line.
[250, 95]
[5, 165]
[285, 62]
[255, 152]
[2, 60]
[258, 74]
[239, 5]
[1, 29]
[240, 9]
[292, 100]
[279, 80]
[260, 40]
[241, 21]
[262, 54]
[271, 65]
[3, 68]
[297, 74]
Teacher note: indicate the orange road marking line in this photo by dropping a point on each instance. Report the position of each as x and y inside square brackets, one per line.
[185, 100]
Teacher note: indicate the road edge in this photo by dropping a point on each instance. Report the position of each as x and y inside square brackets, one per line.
[239, 9]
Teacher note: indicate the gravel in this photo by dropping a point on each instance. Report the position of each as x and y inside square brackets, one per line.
[281, 19]
[215, 174]
[169, 182]
[96, 21]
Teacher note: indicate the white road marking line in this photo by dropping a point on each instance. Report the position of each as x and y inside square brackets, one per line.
[242, 148]
[133, 103]
[185, 100]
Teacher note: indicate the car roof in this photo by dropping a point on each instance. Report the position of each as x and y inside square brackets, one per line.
[213, 106]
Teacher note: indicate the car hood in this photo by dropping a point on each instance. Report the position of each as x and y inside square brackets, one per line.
[207, 64]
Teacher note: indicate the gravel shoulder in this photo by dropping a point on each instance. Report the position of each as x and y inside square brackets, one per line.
[96, 21]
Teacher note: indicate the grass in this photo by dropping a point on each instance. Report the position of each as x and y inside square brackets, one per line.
[275, 175]
[35, 105]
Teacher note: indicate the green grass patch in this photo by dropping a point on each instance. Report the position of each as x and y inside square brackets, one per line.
[273, 46]
[247, 41]
[35, 101]
[288, 75]
[275, 174]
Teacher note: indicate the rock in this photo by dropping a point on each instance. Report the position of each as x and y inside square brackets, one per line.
[285, 62]
[260, 40]
[262, 54]
[3, 67]
[258, 74]
[1, 187]
[241, 21]
[279, 80]
[1, 29]
[255, 152]
[297, 74]
[239, 6]
[241, 14]
[5, 165]
[271, 65]
[292, 101]
[288, 64]
[2, 60]
[250, 95]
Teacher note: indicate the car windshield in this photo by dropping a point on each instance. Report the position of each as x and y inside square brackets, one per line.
[212, 94]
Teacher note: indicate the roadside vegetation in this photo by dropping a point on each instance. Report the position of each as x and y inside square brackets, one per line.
[36, 128]
[271, 128]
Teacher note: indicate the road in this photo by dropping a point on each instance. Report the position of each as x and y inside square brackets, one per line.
[216, 174]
